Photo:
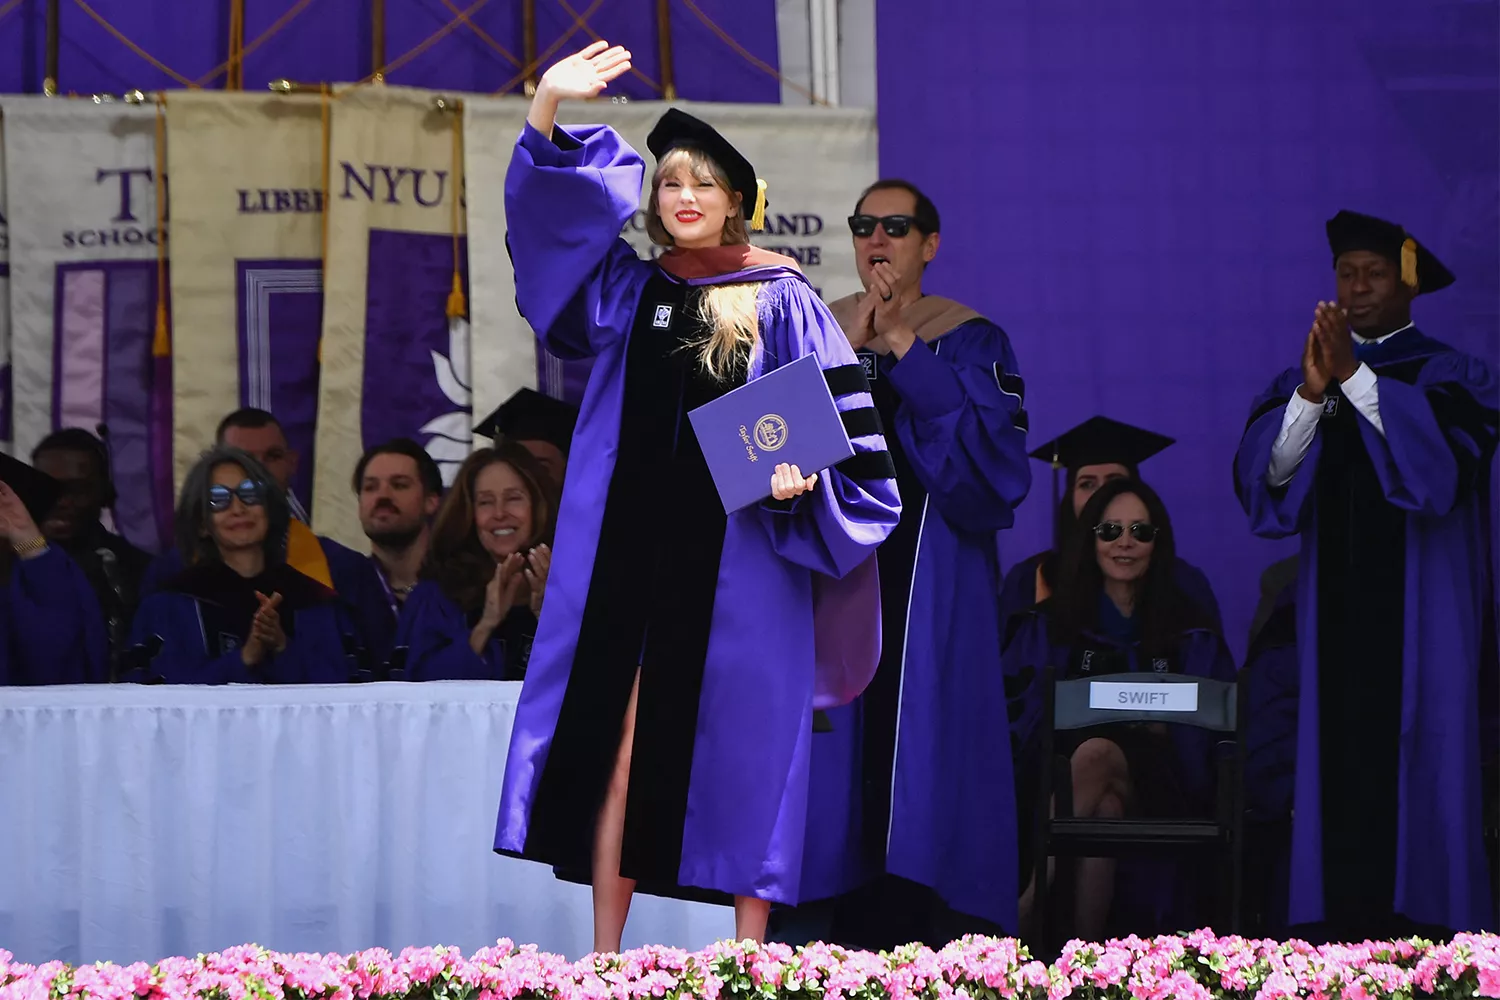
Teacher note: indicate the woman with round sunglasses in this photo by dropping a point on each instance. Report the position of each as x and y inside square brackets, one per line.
[237, 613]
[473, 616]
[661, 739]
[1118, 608]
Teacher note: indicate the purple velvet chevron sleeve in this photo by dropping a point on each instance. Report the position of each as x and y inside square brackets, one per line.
[963, 425]
[854, 506]
[1275, 512]
[566, 200]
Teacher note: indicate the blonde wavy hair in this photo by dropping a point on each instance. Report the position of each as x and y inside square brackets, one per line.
[731, 312]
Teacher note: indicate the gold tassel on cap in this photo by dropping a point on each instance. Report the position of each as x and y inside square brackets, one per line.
[758, 219]
[1409, 263]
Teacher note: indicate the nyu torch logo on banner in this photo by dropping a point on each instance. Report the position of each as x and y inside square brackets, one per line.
[804, 219]
[84, 234]
[395, 329]
[248, 239]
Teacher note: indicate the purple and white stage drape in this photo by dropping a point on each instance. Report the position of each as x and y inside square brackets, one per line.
[80, 181]
[249, 249]
[395, 362]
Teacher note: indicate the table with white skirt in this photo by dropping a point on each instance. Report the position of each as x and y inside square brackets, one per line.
[141, 822]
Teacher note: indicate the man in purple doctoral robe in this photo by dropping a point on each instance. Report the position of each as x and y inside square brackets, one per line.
[51, 628]
[892, 784]
[722, 615]
[1376, 450]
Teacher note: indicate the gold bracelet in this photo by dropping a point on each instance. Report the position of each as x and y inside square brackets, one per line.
[37, 544]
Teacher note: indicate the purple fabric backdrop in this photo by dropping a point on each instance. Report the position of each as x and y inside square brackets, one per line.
[1139, 197]
[330, 40]
[280, 319]
[407, 330]
[103, 372]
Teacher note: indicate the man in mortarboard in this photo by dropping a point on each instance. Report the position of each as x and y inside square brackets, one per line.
[537, 422]
[1091, 454]
[947, 388]
[51, 628]
[1376, 449]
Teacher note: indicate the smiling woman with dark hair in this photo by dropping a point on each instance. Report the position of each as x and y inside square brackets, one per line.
[474, 615]
[238, 613]
[1118, 608]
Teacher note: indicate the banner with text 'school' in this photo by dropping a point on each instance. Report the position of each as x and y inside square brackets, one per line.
[247, 284]
[815, 161]
[395, 342]
[85, 284]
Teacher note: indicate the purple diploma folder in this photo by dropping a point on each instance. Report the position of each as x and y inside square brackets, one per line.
[785, 416]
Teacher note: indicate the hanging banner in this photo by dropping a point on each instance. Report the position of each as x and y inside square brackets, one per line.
[84, 285]
[249, 246]
[395, 337]
[815, 161]
[4, 307]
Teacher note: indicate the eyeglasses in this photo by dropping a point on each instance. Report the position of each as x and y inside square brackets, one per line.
[250, 493]
[895, 226]
[1109, 531]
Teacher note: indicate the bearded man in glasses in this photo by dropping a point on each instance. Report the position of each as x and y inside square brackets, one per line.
[889, 780]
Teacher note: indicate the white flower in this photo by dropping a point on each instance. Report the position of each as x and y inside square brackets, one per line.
[451, 432]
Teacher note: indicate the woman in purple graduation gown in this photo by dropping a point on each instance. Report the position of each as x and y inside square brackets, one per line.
[51, 628]
[663, 733]
[473, 616]
[1118, 608]
[237, 613]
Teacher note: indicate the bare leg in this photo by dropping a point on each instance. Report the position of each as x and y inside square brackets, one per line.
[611, 892]
[1101, 790]
[1028, 898]
[750, 916]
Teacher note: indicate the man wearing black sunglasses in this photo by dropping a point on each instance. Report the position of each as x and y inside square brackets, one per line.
[945, 383]
[1376, 448]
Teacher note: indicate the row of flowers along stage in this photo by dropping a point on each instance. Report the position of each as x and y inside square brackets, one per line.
[1196, 965]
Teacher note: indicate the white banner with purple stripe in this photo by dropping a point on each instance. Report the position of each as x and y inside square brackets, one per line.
[815, 162]
[248, 239]
[4, 306]
[395, 364]
[80, 179]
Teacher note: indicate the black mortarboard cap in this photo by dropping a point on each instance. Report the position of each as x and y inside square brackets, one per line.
[1420, 270]
[37, 490]
[1102, 441]
[531, 416]
[678, 129]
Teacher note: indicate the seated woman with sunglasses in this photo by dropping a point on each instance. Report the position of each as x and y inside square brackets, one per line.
[238, 614]
[1117, 608]
[474, 614]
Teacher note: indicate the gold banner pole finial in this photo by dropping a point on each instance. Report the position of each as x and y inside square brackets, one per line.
[54, 27]
[664, 49]
[528, 47]
[377, 41]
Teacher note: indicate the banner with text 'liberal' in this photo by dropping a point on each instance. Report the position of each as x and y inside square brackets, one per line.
[81, 186]
[247, 282]
[815, 162]
[395, 362]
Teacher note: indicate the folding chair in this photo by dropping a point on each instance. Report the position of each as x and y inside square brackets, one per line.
[1067, 705]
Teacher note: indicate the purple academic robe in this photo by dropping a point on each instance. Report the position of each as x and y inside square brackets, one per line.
[1391, 527]
[53, 628]
[191, 630]
[730, 679]
[926, 737]
[434, 632]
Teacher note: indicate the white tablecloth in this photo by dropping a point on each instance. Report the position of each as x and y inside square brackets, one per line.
[142, 822]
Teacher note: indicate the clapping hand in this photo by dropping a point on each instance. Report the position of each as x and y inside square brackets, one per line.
[266, 633]
[15, 520]
[540, 564]
[787, 482]
[1328, 354]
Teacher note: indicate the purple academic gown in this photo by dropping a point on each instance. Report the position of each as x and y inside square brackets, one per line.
[926, 740]
[1408, 575]
[195, 625]
[53, 628]
[719, 785]
[434, 631]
